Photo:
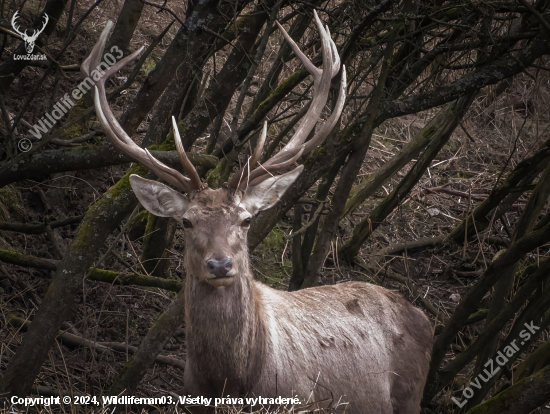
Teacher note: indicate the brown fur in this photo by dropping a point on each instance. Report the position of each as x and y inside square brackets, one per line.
[353, 343]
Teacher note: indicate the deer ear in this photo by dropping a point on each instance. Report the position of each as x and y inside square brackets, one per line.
[267, 193]
[158, 198]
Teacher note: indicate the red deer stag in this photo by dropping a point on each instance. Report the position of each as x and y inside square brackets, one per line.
[361, 346]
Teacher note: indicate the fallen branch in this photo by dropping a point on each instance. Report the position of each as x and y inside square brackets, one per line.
[446, 190]
[75, 141]
[99, 275]
[37, 228]
[126, 279]
[498, 240]
[61, 142]
[161, 359]
[102, 347]
[477, 197]
[397, 249]
[82, 158]
[467, 274]
[25, 260]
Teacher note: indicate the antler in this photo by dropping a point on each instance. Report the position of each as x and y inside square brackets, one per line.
[16, 28]
[37, 32]
[297, 146]
[118, 136]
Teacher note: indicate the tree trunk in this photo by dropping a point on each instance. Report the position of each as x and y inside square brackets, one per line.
[159, 237]
[100, 221]
[439, 130]
[523, 397]
[189, 47]
[125, 26]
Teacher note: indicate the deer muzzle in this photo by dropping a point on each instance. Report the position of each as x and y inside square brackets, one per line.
[220, 270]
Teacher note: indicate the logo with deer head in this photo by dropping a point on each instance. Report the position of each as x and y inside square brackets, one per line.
[29, 40]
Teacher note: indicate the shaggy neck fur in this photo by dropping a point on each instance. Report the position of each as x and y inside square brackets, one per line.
[225, 331]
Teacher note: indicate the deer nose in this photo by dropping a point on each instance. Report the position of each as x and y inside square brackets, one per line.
[219, 268]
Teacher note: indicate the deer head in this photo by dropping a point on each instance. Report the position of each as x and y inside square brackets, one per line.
[29, 40]
[216, 221]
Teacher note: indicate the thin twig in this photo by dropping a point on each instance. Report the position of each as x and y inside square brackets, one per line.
[166, 9]
[311, 221]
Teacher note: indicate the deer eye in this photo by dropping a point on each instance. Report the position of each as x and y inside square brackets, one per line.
[187, 224]
[246, 222]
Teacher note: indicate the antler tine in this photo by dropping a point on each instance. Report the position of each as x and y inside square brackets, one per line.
[240, 177]
[335, 55]
[310, 67]
[276, 162]
[170, 175]
[320, 92]
[259, 147]
[94, 58]
[264, 171]
[187, 166]
[120, 133]
[296, 147]
[114, 132]
[45, 21]
[329, 124]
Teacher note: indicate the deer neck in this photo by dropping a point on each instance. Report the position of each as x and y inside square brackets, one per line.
[225, 332]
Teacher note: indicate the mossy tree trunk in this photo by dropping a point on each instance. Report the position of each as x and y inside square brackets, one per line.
[100, 221]
[523, 397]
[348, 175]
[99, 275]
[126, 24]
[158, 238]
